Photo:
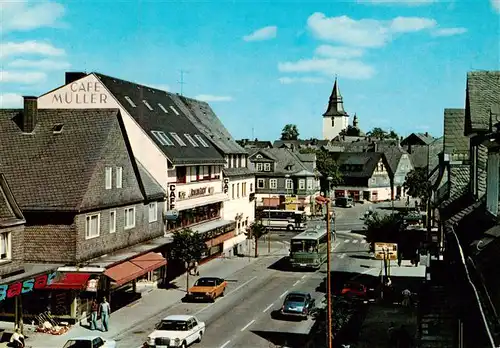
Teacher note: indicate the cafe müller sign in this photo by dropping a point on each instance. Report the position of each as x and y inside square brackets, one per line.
[27, 285]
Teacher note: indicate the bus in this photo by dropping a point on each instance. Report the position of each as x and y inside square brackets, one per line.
[309, 248]
[292, 220]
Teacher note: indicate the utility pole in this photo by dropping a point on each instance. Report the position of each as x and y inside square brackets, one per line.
[328, 275]
[181, 81]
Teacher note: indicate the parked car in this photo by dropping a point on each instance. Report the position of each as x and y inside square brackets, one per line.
[358, 291]
[176, 331]
[89, 342]
[346, 202]
[207, 288]
[297, 304]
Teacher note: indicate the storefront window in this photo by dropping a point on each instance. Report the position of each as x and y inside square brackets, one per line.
[196, 215]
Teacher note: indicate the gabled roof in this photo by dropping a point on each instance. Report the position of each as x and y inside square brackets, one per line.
[172, 119]
[393, 156]
[482, 100]
[204, 118]
[240, 171]
[10, 214]
[285, 160]
[365, 161]
[254, 144]
[50, 171]
[300, 143]
[419, 156]
[418, 139]
[153, 190]
[455, 141]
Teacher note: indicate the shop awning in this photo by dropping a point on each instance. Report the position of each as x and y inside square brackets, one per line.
[127, 271]
[70, 281]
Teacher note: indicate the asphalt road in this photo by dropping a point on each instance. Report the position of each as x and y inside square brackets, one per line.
[245, 316]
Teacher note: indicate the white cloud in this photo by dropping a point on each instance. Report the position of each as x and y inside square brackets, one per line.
[449, 31]
[330, 66]
[364, 32]
[27, 78]
[213, 98]
[29, 47]
[338, 52]
[44, 64]
[21, 16]
[306, 79]
[398, 2]
[266, 33]
[11, 100]
[496, 5]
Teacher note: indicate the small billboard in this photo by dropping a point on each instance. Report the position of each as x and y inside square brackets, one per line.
[388, 251]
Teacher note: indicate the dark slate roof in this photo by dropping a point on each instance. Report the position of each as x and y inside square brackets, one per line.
[455, 142]
[10, 214]
[255, 144]
[204, 118]
[158, 120]
[241, 171]
[435, 148]
[300, 143]
[153, 190]
[418, 139]
[282, 158]
[483, 97]
[393, 156]
[419, 156]
[367, 160]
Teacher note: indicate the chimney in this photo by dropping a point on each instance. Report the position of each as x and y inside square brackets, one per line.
[72, 76]
[30, 114]
[426, 134]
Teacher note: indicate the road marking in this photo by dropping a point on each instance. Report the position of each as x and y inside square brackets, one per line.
[298, 281]
[303, 276]
[225, 344]
[347, 241]
[335, 246]
[247, 325]
[229, 293]
[341, 256]
[285, 242]
[283, 294]
[265, 310]
[354, 241]
[363, 241]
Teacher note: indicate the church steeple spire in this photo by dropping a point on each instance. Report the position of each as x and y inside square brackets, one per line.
[335, 104]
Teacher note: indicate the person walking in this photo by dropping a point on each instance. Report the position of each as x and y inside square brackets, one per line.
[94, 310]
[105, 310]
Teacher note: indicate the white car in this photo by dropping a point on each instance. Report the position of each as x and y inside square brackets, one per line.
[89, 342]
[176, 331]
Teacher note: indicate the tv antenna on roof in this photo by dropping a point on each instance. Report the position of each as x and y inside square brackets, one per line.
[181, 81]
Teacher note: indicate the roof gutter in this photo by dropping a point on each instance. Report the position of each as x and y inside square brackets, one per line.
[476, 293]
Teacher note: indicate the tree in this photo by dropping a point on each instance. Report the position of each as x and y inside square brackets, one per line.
[382, 228]
[327, 166]
[187, 246]
[257, 230]
[378, 132]
[417, 184]
[290, 132]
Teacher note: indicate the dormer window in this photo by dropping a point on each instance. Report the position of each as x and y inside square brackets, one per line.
[145, 102]
[174, 110]
[162, 108]
[162, 138]
[267, 167]
[178, 139]
[58, 128]
[191, 140]
[127, 98]
[201, 140]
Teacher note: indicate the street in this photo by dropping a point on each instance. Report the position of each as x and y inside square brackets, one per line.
[245, 316]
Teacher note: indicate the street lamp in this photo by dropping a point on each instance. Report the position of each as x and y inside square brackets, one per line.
[328, 269]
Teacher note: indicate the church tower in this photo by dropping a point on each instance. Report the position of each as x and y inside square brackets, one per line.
[335, 119]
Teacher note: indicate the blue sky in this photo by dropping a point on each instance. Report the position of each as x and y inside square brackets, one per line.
[260, 64]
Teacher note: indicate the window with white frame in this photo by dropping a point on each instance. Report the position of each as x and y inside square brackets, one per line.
[259, 167]
[178, 139]
[92, 226]
[119, 177]
[273, 183]
[129, 218]
[289, 184]
[112, 221]
[5, 249]
[260, 183]
[153, 211]
[109, 178]
[302, 184]
[191, 140]
[310, 184]
[201, 140]
[162, 138]
[267, 167]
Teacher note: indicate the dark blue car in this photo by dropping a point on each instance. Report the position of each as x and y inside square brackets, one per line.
[297, 304]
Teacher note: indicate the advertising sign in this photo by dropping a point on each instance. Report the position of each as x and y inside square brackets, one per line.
[225, 187]
[172, 192]
[389, 251]
[28, 285]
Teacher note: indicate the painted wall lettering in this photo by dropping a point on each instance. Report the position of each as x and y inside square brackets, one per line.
[82, 93]
[18, 288]
[225, 187]
[171, 196]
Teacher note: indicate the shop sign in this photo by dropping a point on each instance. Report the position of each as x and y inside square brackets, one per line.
[225, 187]
[219, 231]
[28, 285]
[90, 92]
[198, 192]
[171, 196]
[92, 285]
[172, 214]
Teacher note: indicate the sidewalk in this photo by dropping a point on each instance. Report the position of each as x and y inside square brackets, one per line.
[151, 304]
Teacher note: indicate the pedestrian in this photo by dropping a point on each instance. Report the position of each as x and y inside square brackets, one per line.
[196, 268]
[105, 310]
[17, 339]
[406, 297]
[94, 309]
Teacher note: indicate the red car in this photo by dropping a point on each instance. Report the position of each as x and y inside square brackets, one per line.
[354, 289]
